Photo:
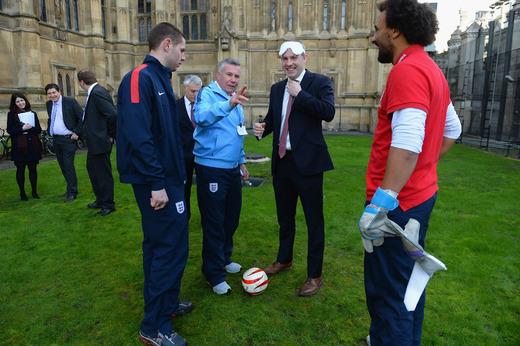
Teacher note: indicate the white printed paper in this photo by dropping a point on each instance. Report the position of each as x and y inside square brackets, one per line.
[27, 117]
[415, 288]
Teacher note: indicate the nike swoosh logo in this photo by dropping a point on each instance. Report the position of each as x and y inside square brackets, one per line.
[161, 93]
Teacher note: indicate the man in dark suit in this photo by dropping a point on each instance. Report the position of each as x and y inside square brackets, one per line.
[185, 105]
[99, 127]
[64, 125]
[297, 107]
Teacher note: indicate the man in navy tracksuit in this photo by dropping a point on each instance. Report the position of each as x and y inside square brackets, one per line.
[149, 156]
[219, 165]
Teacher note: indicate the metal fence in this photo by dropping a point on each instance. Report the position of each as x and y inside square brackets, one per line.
[500, 120]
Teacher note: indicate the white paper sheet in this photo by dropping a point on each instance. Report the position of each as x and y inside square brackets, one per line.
[27, 117]
[415, 288]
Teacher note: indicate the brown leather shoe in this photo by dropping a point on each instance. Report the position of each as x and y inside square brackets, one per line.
[311, 286]
[277, 267]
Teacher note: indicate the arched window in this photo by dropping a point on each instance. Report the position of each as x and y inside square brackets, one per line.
[343, 14]
[186, 26]
[194, 19]
[142, 33]
[144, 8]
[148, 25]
[325, 14]
[76, 16]
[289, 24]
[194, 27]
[103, 16]
[43, 11]
[60, 81]
[68, 17]
[203, 30]
[273, 16]
[68, 85]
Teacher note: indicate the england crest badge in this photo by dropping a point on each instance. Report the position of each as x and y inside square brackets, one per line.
[180, 207]
[213, 187]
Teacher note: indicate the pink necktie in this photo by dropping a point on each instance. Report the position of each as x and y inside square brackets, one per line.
[283, 139]
[191, 116]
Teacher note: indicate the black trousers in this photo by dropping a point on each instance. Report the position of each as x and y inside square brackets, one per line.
[65, 149]
[189, 164]
[99, 170]
[289, 184]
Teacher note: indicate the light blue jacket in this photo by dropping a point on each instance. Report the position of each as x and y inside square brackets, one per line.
[217, 142]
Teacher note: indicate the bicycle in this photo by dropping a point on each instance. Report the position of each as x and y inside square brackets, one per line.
[5, 147]
[47, 143]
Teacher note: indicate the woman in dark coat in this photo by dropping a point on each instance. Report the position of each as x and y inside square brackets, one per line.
[26, 147]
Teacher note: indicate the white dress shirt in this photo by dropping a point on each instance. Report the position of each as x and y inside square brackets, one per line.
[59, 124]
[286, 96]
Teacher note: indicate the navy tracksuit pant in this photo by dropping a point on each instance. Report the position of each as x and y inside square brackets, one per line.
[387, 272]
[219, 193]
[165, 252]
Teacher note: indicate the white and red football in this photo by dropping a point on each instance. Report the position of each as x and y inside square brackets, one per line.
[254, 281]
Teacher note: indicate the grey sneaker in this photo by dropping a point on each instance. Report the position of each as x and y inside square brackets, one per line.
[170, 339]
[222, 288]
[233, 268]
[183, 308]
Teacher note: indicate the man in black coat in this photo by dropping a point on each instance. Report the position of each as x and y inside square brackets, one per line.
[185, 105]
[64, 125]
[297, 107]
[99, 127]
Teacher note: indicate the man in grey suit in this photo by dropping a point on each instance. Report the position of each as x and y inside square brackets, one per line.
[64, 125]
[99, 128]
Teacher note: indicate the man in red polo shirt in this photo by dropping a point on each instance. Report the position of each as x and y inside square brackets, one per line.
[416, 126]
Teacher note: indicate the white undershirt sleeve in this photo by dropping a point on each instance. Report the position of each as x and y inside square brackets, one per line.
[452, 129]
[408, 129]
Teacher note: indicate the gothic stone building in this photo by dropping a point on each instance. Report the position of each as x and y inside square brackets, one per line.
[46, 41]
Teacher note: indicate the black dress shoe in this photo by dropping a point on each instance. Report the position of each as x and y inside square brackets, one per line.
[70, 198]
[95, 205]
[64, 195]
[105, 211]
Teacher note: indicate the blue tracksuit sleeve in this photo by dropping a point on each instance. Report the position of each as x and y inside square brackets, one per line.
[211, 107]
[218, 142]
[136, 127]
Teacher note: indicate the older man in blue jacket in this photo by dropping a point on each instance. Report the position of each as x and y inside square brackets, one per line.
[219, 165]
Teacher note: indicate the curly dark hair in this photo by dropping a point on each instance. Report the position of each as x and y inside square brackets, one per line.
[417, 22]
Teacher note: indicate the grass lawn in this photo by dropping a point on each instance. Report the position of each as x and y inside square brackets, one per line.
[68, 277]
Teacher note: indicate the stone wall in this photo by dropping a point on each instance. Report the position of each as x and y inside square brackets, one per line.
[337, 37]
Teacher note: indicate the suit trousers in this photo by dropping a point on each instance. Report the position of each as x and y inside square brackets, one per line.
[165, 253]
[65, 149]
[289, 184]
[99, 170]
[387, 272]
[189, 164]
[219, 193]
